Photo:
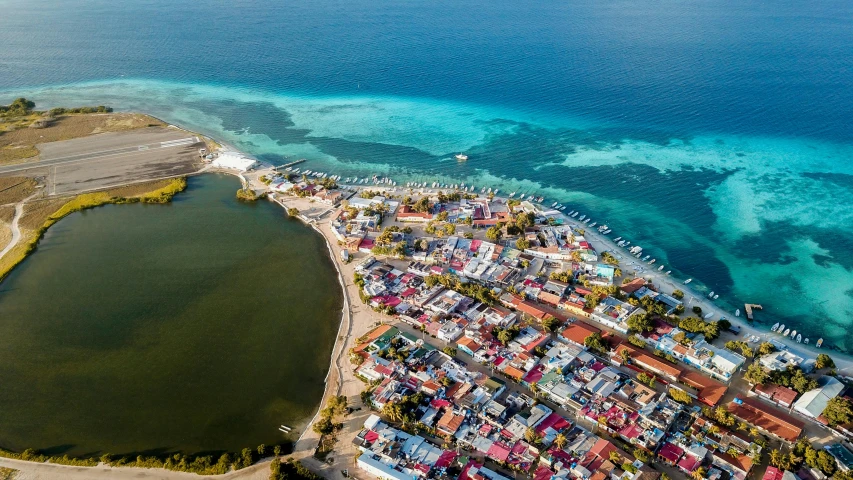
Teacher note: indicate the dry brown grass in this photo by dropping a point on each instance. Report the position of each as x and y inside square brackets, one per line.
[15, 189]
[36, 212]
[7, 213]
[20, 144]
[6, 216]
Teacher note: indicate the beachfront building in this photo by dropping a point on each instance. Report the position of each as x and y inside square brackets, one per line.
[813, 403]
[234, 161]
[719, 363]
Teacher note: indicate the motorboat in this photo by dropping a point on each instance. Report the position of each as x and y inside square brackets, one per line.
[806, 341]
[511, 194]
[786, 332]
[660, 268]
[653, 261]
[772, 329]
[793, 334]
[709, 315]
[462, 157]
[688, 281]
[575, 214]
[800, 338]
[716, 296]
[582, 217]
[711, 295]
[668, 272]
[563, 208]
[553, 204]
[819, 343]
[617, 239]
[737, 312]
[606, 231]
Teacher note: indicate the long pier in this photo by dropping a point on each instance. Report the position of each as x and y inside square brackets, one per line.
[297, 162]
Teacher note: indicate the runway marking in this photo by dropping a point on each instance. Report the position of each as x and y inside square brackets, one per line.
[88, 157]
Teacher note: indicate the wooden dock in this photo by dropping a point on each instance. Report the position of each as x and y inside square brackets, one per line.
[749, 307]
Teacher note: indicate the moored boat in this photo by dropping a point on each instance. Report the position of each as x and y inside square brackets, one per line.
[793, 334]
[786, 332]
[819, 343]
[737, 312]
[772, 329]
[688, 281]
[800, 338]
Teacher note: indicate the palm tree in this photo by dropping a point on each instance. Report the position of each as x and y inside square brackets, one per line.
[698, 474]
[560, 441]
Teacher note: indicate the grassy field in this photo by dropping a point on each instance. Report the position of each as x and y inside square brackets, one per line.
[40, 215]
[18, 141]
[15, 189]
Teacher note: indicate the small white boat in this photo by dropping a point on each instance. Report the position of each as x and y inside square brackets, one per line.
[786, 332]
[806, 341]
[737, 312]
[511, 194]
[521, 197]
[563, 208]
[574, 214]
[819, 343]
[461, 156]
[617, 239]
[772, 329]
[688, 281]
[711, 295]
[793, 334]
[582, 217]
[709, 315]
[660, 268]
[497, 190]
[592, 224]
[606, 231]
[668, 272]
[800, 338]
[653, 261]
[553, 204]
[716, 297]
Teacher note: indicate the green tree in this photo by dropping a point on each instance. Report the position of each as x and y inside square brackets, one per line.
[824, 361]
[680, 396]
[494, 234]
[838, 410]
[641, 323]
[678, 294]
[596, 342]
[766, 348]
[756, 375]
[522, 244]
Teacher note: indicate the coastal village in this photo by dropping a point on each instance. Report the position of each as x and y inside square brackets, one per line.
[496, 341]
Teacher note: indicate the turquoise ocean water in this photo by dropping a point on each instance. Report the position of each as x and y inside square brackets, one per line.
[716, 135]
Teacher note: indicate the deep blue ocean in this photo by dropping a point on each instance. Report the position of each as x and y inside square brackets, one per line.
[717, 135]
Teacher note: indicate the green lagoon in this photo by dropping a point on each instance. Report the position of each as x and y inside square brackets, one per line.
[198, 326]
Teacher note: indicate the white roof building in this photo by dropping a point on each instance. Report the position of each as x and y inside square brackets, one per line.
[814, 402]
[234, 161]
